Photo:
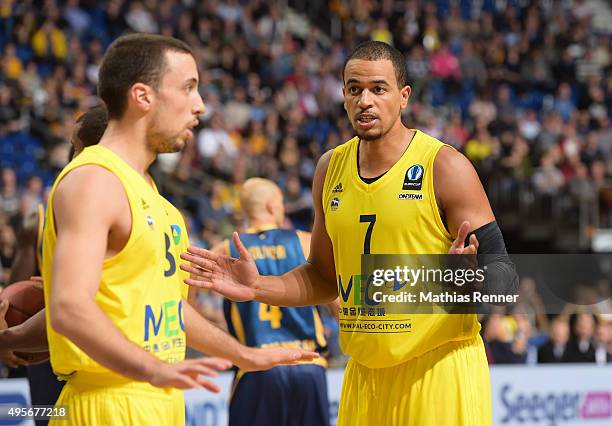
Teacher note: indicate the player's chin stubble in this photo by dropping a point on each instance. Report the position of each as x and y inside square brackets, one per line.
[365, 136]
[164, 144]
[370, 137]
[171, 145]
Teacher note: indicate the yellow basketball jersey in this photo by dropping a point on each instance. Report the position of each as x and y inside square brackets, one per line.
[396, 214]
[140, 288]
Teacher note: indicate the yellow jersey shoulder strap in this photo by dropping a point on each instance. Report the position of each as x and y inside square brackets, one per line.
[337, 163]
[39, 235]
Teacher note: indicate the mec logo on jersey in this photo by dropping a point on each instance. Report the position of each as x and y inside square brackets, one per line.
[170, 316]
[413, 180]
[359, 286]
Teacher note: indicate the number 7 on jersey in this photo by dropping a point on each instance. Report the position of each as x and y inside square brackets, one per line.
[371, 219]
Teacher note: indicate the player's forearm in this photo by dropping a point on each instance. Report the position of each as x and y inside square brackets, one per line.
[214, 316]
[302, 286]
[86, 325]
[205, 337]
[29, 336]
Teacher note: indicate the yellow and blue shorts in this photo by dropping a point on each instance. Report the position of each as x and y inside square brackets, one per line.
[447, 386]
[101, 399]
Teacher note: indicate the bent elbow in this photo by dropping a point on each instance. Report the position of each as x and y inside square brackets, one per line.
[61, 317]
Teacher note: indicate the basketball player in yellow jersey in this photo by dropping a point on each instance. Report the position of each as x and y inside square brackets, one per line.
[31, 335]
[116, 322]
[389, 190]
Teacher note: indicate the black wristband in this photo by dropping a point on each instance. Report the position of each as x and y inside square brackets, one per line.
[500, 277]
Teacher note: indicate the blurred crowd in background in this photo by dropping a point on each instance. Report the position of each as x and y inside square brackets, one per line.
[527, 332]
[522, 88]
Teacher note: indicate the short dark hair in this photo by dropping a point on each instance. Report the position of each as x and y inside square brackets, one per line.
[376, 51]
[92, 125]
[134, 58]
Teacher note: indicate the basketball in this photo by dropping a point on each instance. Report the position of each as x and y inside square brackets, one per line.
[26, 298]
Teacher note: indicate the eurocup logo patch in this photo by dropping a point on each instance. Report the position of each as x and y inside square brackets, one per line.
[413, 181]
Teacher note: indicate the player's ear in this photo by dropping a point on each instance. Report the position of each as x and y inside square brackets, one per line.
[141, 95]
[270, 207]
[405, 94]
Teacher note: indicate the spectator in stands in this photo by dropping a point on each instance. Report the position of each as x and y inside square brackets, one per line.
[548, 179]
[529, 126]
[502, 344]
[563, 102]
[237, 110]
[591, 150]
[554, 349]
[580, 347]
[49, 43]
[9, 193]
[581, 186]
[473, 68]
[445, 65]
[482, 149]
[140, 20]
[12, 64]
[419, 68]
[214, 138]
[33, 190]
[9, 113]
[78, 19]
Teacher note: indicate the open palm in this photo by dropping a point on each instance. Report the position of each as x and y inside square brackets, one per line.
[233, 278]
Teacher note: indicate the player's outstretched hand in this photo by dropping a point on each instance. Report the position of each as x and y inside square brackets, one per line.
[232, 278]
[188, 374]
[459, 247]
[8, 357]
[266, 358]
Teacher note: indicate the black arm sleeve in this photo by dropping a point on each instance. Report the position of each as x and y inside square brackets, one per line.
[500, 277]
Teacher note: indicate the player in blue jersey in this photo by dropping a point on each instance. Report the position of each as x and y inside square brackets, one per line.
[286, 395]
